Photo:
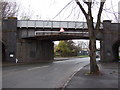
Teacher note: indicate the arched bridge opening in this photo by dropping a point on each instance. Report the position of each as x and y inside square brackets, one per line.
[116, 51]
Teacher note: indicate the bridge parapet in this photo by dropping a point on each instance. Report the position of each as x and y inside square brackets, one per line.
[52, 24]
[28, 28]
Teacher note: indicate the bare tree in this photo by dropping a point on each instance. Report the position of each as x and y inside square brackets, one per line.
[82, 45]
[9, 9]
[25, 16]
[0, 25]
[119, 12]
[0, 10]
[111, 12]
[91, 29]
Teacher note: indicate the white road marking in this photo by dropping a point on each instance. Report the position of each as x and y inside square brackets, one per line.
[37, 68]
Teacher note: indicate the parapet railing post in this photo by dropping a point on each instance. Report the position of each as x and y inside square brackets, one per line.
[43, 23]
[75, 25]
[20, 24]
[67, 25]
[83, 25]
[35, 23]
[27, 24]
[60, 24]
[27, 28]
[51, 24]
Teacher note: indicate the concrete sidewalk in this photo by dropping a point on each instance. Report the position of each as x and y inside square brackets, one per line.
[15, 64]
[60, 58]
[108, 78]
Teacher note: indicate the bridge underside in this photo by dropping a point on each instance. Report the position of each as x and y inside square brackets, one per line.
[116, 51]
[56, 37]
[31, 50]
[55, 34]
[40, 48]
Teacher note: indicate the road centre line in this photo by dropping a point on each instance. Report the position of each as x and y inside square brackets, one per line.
[37, 68]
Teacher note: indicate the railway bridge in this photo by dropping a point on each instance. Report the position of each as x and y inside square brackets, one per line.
[32, 40]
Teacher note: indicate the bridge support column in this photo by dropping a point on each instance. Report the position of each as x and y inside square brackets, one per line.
[106, 43]
[9, 37]
[35, 51]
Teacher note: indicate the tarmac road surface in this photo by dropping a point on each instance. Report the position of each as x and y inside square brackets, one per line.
[50, 75]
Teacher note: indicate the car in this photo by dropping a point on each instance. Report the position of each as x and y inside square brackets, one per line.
[97, 54]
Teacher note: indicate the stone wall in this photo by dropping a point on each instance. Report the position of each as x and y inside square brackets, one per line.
[109, 43]
[35, 51]
[9, 37]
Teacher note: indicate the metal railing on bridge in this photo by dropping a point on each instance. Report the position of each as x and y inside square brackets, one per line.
[52, 24]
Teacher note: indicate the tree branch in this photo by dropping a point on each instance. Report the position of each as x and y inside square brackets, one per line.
[99, 15]
[82, 9]
[90, 17]
[89, 9]
[9, 9]
[63, 9]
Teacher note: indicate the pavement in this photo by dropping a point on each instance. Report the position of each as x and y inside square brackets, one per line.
[61, 58]
[15, 64]
[107, 80]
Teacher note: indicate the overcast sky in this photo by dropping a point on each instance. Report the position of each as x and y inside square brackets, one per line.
[47, 9]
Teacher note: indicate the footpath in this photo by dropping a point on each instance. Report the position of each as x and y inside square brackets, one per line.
[108, 80]
[15, 64]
